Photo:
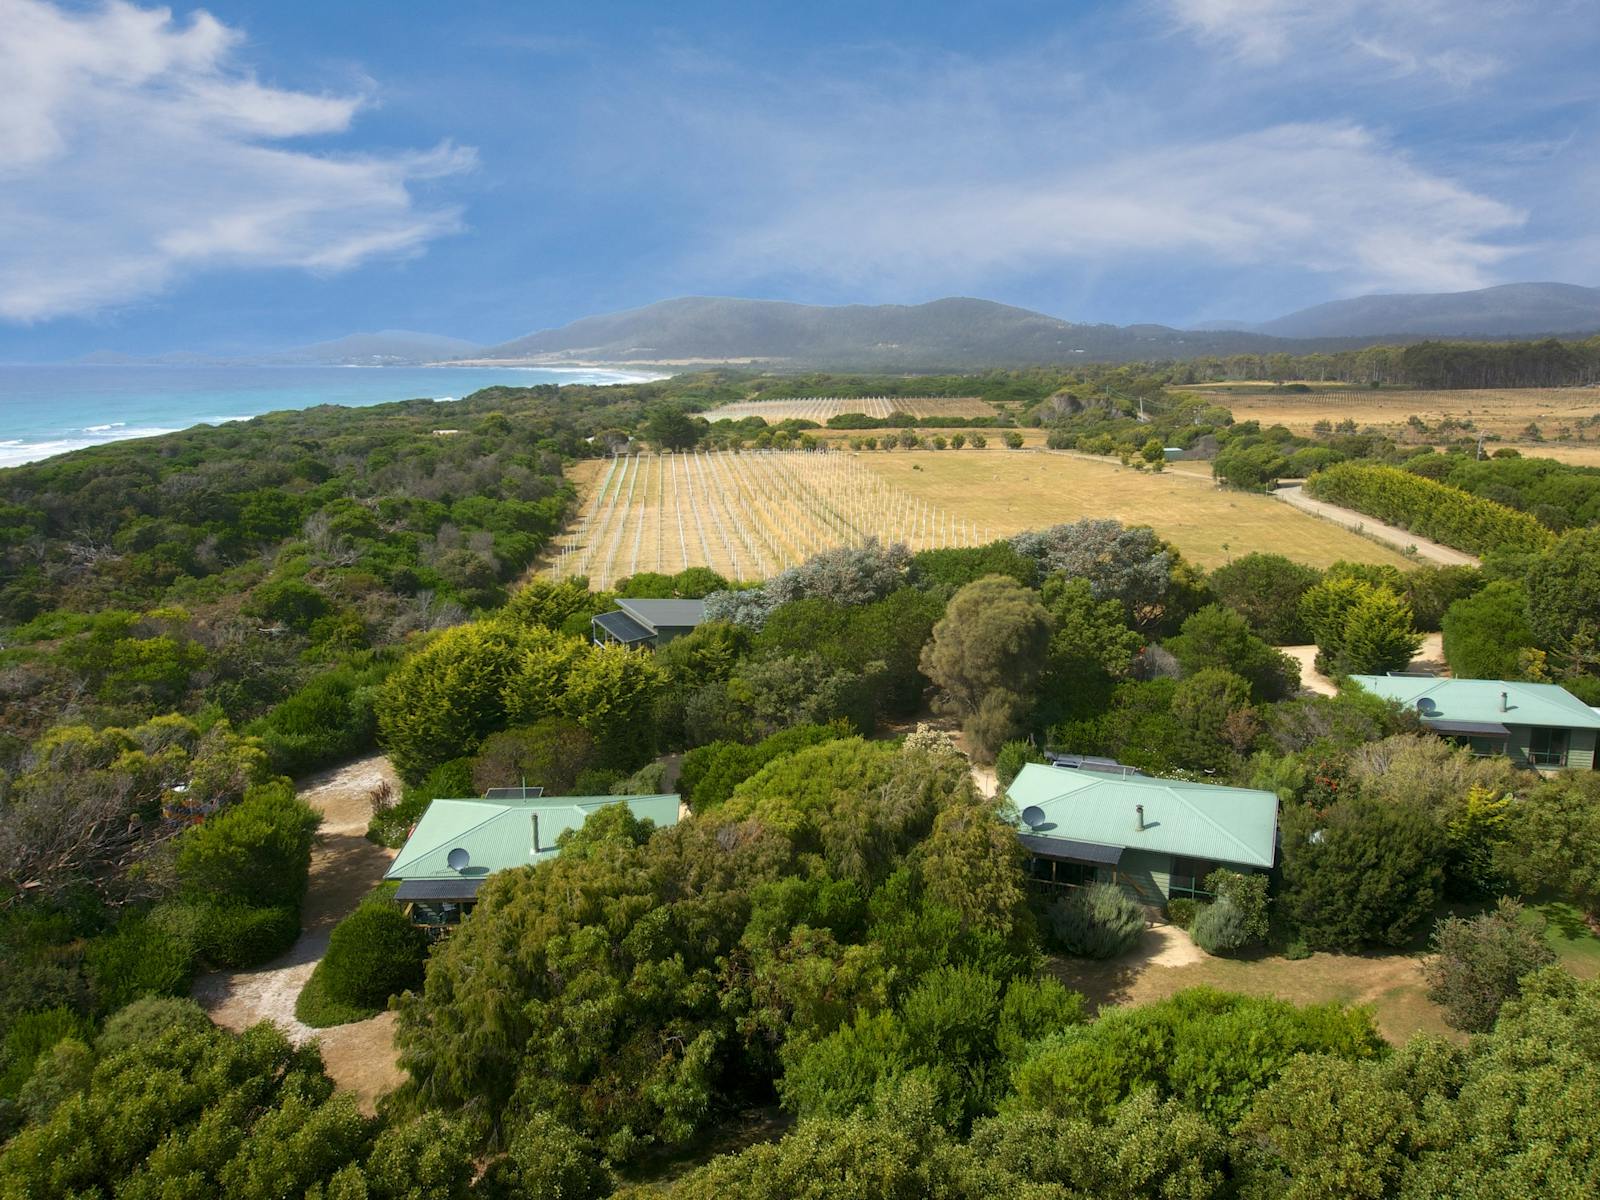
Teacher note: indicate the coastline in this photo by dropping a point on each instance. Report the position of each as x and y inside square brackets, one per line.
[52, 409]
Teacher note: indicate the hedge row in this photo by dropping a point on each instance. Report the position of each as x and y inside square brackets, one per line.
[1428, 509]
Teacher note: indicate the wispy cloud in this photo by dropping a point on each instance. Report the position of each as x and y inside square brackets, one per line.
[1426, 37]
[1281, 196]
[135, 150]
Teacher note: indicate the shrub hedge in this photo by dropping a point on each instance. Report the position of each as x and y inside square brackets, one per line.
[1431, 510]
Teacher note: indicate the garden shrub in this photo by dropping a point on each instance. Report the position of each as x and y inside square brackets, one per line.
[240, 935]
[148, 1019]
[139, 958]
[547, 1158]
[257, 852]
[1098, 921]
[1181, 911]
[374, 953]
[1219, 928]
[1013, 756]
[1479, 964]
[30, 1036]
[1247, 892]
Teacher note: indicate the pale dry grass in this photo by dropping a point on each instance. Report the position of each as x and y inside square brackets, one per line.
[746, 515]
[1166, 962]
[1009, 491]
[1503, 412]
[824, 408]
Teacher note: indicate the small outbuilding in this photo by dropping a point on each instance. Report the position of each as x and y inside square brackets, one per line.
[647, 622]
[1535, 725]
[459, 843]
[1157, 838]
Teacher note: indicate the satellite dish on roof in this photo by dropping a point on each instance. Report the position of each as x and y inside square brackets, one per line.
[1427, 707]
[1033, 816]
[458, 859]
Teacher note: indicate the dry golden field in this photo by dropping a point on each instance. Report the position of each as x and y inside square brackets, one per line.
[749, 515]
[1010, 491]
[824, 408]
[1503, 412]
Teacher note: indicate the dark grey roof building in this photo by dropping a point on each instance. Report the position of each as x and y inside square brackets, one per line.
[647, 622]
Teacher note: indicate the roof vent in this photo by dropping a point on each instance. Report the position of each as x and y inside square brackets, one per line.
[1033, 816]
[1138, 812]
[1505, 702]
[458, 859]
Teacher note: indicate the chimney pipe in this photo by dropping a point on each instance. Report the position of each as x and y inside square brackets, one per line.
[1504, 705]
[536, 833]
[1138, 810]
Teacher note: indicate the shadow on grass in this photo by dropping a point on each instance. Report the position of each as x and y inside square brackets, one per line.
[1106, 983]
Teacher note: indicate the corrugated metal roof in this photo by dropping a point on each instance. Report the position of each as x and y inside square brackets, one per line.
[497, 834]
[1479, 700]
[1194, 820]
[1050, 847]
[438, 889]
[665, 614]
[1479, 728]
[624, 628]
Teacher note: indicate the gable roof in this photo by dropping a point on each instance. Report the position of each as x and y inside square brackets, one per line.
[1478, 700]
[1194, 820]
[665, 614]
[497, 834]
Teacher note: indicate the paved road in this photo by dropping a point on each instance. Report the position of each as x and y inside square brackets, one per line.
[1399, 538]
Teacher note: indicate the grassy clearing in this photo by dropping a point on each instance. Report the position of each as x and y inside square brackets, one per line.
[1504, 412]
[1570, 936]
[1010, 491]
[825, 408]
[1166, 963]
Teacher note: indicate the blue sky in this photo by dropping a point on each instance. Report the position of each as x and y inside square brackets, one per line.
[254, 174]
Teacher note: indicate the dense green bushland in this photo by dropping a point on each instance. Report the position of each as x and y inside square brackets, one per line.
[1428, 509]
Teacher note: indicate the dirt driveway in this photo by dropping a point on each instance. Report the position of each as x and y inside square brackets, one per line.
[344, 868]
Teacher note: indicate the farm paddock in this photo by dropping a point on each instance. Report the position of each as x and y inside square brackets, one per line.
[748, 515]
[1504, 413]
[824, 408]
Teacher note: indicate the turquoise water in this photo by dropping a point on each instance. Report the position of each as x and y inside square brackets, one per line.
[50, 410]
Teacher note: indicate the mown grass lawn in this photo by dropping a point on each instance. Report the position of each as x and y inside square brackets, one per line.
[1570, 936]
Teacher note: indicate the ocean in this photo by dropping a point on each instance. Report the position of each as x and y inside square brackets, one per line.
[48, 410]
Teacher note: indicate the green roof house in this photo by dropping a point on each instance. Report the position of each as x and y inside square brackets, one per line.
[459, 843]
[1158, 838]
[1534, 724]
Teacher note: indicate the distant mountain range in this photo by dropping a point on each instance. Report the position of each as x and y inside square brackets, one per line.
[1510, 310]
[966, 333]
[955, 333]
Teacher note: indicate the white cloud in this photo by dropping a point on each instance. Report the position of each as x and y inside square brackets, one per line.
[135, 150]
[1330, 198]
[1415, 37]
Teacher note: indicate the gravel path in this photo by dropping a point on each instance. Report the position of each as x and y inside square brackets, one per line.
[344, 868]
[1361, 523]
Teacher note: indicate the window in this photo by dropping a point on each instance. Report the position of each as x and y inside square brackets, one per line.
[1053, 875]
[1486, 747]
[1547, 747]
[1189, 877]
